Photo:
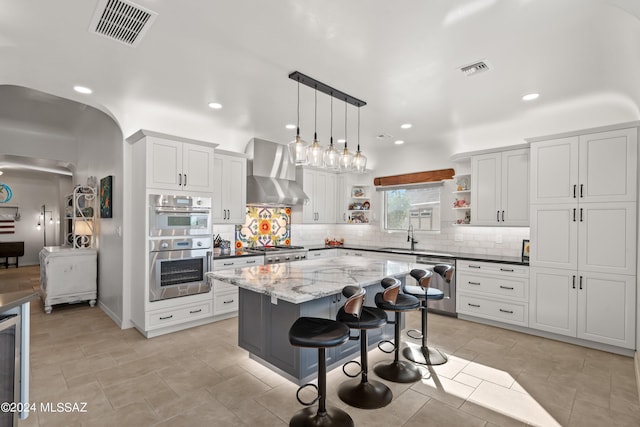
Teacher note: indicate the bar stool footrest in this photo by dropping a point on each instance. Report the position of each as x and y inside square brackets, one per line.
[344, 369]
[414, 331]
[381, 343]
[305, 386]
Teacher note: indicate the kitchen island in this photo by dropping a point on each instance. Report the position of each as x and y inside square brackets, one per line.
[273, 296]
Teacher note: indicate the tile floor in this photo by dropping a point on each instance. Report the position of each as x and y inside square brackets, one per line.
[199, 377]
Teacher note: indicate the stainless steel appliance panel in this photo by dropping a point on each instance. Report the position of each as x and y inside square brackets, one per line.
[171, 215]
[448, 304]
[9, 366]
[177, 267]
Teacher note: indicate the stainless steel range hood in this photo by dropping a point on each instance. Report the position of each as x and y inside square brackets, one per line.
[271, 175]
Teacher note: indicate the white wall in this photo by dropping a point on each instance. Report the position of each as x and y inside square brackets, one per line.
[31, 190]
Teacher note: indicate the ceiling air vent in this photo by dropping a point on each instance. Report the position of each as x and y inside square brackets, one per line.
[475, 68]
[122, 21]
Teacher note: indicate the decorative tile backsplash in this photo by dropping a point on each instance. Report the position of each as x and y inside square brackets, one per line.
[264, 226]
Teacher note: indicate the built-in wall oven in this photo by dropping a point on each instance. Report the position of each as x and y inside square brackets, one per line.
[447, 305]
[171, 215]
[177, 267]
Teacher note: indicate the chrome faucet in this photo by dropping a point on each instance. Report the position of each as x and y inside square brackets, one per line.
[410, 238]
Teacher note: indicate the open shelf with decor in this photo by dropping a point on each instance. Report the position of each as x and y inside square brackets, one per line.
[462, 199]
[359, 205]
[80, 217]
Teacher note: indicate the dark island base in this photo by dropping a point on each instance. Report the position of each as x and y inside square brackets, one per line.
[263, 330]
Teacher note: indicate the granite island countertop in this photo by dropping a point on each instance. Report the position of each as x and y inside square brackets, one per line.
[302, 281]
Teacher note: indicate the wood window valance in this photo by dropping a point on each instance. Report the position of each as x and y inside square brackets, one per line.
[415, 178]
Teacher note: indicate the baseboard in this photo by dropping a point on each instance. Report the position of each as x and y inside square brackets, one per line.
[636, 358]
[111, 314]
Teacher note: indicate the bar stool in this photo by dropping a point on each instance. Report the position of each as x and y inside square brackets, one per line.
[319, 333]
[392, 300]
[423, 355]
[363, 393]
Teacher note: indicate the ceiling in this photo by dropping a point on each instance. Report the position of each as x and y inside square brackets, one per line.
[402, 58]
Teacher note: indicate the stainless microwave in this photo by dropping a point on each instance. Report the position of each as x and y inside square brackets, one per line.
[171, 215]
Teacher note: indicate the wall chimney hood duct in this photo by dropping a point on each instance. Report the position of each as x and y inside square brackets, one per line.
[271, 175]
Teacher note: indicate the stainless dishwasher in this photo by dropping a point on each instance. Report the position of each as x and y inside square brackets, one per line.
[447, 305]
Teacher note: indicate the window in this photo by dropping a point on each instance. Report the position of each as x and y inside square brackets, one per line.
[417, 206]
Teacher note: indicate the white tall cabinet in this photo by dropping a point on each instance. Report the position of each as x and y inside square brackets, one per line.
[500, 183]
[584, 235]
[320, 186]
[230, 188]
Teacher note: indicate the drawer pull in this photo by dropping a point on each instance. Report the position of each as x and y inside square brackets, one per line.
[475, 283]
[358, 254]
[473, 305]
[506, 287]
[473, 266]
[195, 311]
[228, 302]
[228, 263]
[507, 269]
[251, 262]
[166, 317]
[506, 311]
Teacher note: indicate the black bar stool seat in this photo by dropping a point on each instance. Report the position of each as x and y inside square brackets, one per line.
[319, 333]
[363, 393]
[392, 300]
[424, 355]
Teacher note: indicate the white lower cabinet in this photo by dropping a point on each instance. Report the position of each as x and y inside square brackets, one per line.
[592, 306]
[225, 295]
[322, 253]
[493, 291]
[178, 314]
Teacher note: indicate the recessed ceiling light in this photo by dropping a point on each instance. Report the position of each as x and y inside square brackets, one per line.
[1, 172]
[290, 126]
[215, 105]
[406, 126]
[342, 141]
[399, 142]
[82, 89]
[530, 96]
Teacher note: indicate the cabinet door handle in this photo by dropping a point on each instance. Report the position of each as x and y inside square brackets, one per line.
[574, 191]
[166, 317]
[506, 311]
[344, 217]
[229, 214]
[574, 214]
[195, 311]
[180, 179]
[185, 179]
[507, 269]
[581, 187]
[573, 282]
[224, 214]
[580, 282]
[502, 216]
[580, 214]
[475, 283]
[506, 287]
[498, 216]
[228, 301]
[473, 305]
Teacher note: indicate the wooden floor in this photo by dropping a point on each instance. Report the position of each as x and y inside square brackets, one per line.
[199, 377]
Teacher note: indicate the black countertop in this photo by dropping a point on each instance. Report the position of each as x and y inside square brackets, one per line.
[427, 252]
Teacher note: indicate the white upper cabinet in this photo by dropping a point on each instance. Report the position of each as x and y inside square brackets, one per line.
[320, 187]
[177, 165]
[596, 167]
[500, 183]
[230, 189]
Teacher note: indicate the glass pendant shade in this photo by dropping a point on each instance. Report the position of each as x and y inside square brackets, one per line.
[331, 154]
[298, 150]
[359, 162]
[346, 158]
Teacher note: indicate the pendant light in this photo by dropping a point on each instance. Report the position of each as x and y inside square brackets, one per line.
[346, 158]
[298, 147]
[315, 155]
[359, 159]
[331, 154]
